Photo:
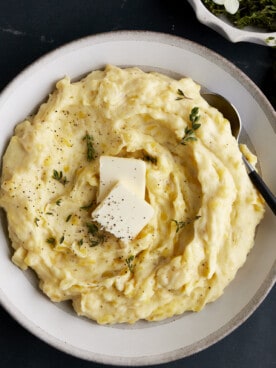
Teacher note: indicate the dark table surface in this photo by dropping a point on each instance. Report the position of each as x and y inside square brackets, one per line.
[31, 28]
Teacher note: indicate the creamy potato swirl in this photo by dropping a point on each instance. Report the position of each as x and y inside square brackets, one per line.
[205, 207]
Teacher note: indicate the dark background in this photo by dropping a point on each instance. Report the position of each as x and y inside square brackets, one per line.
[31, 28]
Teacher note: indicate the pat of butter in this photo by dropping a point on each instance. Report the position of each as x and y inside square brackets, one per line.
[123, 213]
[130, 171]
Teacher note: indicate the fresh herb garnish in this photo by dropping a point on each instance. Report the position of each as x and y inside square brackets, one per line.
[87, 207]
[58, 202]
[91, 154]
[92, 228]
[68, 218]
[80, 242]
[51, 241]
[36, 220]
[98, 236]
[189, 133]
[256, 13]
[181, 95]
[150, 158]
[58, 175]
[181, 224]
[61, 240]
[194, 116]
[271, 41]
[129, 262]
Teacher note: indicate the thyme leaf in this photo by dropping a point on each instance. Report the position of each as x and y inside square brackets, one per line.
[97, 236]
[181, 95]
[150, 158]
[36, 220]
[129, 262]
[92, 228]
[58, 175]
[87, 207]
[51, 241]
[194, 116]
[181, 224]
[94, 243]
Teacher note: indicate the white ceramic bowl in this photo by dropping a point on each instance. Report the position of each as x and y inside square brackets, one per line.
[142, 343]
[229, 31]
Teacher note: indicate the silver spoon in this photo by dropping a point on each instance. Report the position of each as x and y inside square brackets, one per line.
[231, 114]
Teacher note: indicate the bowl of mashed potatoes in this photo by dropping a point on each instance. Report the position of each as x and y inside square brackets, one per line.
[126, 201]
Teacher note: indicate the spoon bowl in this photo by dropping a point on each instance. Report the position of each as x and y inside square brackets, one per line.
[227, 109]
[231, 114]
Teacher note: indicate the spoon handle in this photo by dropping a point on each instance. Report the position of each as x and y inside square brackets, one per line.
[268, 196]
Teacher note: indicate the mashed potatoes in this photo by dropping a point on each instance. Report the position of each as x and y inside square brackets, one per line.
[205, 207]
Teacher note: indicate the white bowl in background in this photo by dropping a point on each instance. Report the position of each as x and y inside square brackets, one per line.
[229, 31]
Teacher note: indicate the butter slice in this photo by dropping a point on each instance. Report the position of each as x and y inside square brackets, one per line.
[130, 171]
[123, 213]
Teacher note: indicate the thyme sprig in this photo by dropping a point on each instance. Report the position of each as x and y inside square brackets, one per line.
[91, 153]
[68, 217]
[189, 133]
[88, 206]
[51, 241]
[181, 95]
[97, 236]
[58, 202]
[181, 224]
[58, 175]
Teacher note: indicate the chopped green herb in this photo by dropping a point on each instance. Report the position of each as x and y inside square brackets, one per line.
[189, 133]
[93, 243]
[49, 213]
[181, 95]
[58, 202]
[188, 136]
[87, 207]
[91, 154]
[80, 242]
[150, 158]
[61, 240]
[97, 235]
[68, 218]
[51, 241]
[129, 262]
[181, 224]
[92, 228]
[36, 220]
[59, 177]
